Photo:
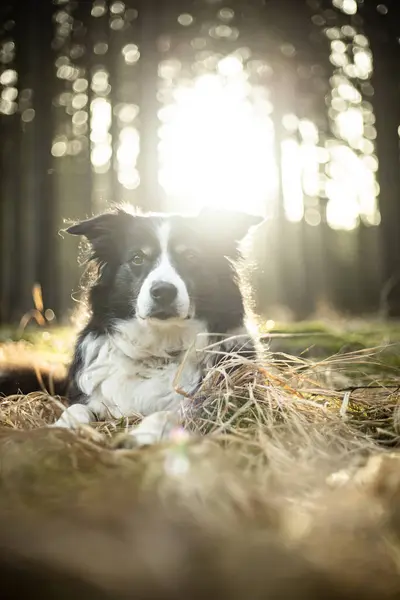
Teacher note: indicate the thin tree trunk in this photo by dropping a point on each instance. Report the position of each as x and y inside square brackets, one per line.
[46, 212]
[150, 192]
[383, 33]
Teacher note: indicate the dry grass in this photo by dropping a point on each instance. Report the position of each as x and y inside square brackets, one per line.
[263, 420]
[245, 399]
[279, 410]
[288, 451]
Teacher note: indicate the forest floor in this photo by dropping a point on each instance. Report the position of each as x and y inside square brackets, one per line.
[319, 414]
[314, 360]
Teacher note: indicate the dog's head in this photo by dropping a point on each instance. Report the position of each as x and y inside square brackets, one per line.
[163, 269]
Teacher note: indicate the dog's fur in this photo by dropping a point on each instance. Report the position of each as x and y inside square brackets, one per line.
[142, 346]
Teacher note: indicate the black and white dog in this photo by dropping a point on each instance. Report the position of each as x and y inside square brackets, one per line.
[165, 288]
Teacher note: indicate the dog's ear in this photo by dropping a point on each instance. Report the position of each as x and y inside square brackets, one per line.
[103, 233]
[228, 227]
[94, 227]
[236, 223]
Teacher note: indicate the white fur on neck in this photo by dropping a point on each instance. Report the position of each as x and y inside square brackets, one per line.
[131, 371]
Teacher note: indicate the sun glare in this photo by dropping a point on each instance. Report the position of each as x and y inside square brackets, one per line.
[217, 146]
[217, 130]
[217, 143]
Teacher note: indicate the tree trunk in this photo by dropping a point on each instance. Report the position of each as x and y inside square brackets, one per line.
[150, 192]
[381, 31]
[45, 212]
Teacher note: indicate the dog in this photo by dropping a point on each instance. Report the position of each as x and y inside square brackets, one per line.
[165, 288]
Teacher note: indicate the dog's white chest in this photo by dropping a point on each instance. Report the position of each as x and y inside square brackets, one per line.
[125, 392]
[118, 385]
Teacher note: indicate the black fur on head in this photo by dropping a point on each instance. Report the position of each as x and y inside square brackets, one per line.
[201, 249]
[103, 233]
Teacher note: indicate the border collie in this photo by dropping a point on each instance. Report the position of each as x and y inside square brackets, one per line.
[165, 287]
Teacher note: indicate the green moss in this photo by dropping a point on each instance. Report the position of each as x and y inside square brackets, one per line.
[316, 339]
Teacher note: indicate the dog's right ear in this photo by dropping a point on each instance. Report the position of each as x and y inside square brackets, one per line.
[94, 227]
[103, 233]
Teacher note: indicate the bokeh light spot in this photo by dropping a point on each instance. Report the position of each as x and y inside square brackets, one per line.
[100, 48]
[226, 14]
[185, 19]
[131, 54]
[28, 115]
[8, 77]
[382, 9]
[117, 8]
[99, 8]
[59, 148]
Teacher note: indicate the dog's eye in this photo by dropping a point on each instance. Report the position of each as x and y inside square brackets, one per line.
[138, 259]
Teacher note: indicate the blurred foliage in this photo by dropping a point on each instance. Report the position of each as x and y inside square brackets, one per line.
[283, 107]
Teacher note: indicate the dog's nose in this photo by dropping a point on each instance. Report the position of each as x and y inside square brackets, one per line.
[163, 293]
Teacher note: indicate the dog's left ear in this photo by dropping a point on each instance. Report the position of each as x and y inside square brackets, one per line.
[229, 224]
[94, 227]
[102, 232]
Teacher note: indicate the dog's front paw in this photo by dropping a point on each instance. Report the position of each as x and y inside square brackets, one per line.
[153, 429]
[74, 417]
[124, 441]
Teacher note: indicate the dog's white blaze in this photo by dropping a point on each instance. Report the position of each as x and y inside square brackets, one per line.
[163, 271]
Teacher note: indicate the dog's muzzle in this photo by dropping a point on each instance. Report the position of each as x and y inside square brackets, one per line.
[163, 295]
